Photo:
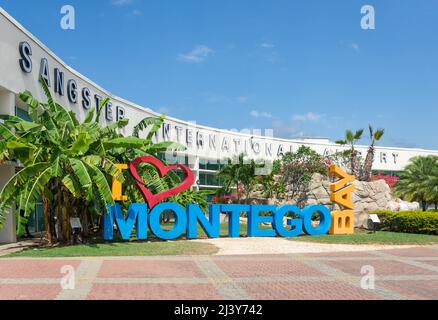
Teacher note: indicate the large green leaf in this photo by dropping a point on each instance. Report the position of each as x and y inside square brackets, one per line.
[110, 129]
[26, 126]
[81, 173]
[61, 114]
[100, 108]
[36, 189]
[6, 133]
[18, 182]
[156, 127]
[81, 144]
[10, 120]
[164, 146]
[27, 98]
[71, 183]
[107, 165]
[146, 122]
[128, 142]
[90, 116]
[101, 183]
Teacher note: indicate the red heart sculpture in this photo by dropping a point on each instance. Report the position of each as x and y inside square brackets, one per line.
[150, 198]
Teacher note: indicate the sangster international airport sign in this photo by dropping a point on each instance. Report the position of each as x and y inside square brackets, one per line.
[146, 215]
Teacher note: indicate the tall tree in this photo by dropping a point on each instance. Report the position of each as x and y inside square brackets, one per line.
[368, 165]
[350, 139]
[297, 169]
[239, 173]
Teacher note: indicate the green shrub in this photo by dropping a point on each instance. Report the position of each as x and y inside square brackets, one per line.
[425, 222]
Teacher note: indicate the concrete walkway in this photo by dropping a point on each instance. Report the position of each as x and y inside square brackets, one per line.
[9, 248]
[408, 273]
[250, 246]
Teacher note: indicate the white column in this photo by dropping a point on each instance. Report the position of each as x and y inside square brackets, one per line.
[8, 233]
[196, 171]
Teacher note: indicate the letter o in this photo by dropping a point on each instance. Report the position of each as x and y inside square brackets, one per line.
[324, 223]
[180, 221]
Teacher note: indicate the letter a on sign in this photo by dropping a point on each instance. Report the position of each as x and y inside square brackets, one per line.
[343, 197]
[344, 177]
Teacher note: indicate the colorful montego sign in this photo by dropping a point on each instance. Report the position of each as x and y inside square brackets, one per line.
[144, 216]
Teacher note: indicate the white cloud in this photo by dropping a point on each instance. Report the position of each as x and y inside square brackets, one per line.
[242, 99]
[260, 114]
[137, 12]
[121, 2]
[284, 130]
[197, 55]
[310, 116]
[355, 46]
[267, 45]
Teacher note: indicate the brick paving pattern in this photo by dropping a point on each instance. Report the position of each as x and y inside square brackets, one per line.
[410, 273]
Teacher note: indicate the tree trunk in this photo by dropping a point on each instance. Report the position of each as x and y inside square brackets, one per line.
[84, 220]
[59, 216]
[368, 164]
[47, 218]
[66, 208]
[354, 164]
[238, 194]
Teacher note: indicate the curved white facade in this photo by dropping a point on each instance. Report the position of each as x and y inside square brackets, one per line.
[201, 141]
[23, 58]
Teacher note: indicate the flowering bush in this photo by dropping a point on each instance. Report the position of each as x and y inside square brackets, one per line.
[224, 199]
[389, 179]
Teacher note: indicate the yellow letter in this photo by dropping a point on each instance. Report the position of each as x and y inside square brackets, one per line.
[116, 189]
[343, 197]
[341, 174]
[342, 222]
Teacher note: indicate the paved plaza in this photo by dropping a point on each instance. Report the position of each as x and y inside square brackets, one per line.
[407, 273]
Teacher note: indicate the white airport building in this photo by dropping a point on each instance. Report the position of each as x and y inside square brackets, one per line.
[23, 59]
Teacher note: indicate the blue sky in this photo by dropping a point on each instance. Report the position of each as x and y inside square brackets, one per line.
[299, 67]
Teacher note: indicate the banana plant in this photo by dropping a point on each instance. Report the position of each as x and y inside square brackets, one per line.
[66, 161]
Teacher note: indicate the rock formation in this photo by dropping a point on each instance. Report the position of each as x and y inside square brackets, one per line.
[368, 196]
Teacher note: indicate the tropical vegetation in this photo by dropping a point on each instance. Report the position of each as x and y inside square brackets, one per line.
[422, 222]
[287, 178]
[361, 169]
[239, 174]
[419, 181]
[69, 164]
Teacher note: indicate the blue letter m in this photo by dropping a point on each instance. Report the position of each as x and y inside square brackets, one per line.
[136, 213]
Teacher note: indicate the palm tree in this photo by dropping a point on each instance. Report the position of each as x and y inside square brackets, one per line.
[350, 139]
[432, 187]
[239, 173]
[66, 163]
[374, 136]
[230, 175]
[419, 181]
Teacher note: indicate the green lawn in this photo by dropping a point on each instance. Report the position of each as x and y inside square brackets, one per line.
[135, 248]
[364, 237]
[155, 247]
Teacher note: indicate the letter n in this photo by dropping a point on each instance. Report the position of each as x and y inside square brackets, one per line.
[210, 226]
